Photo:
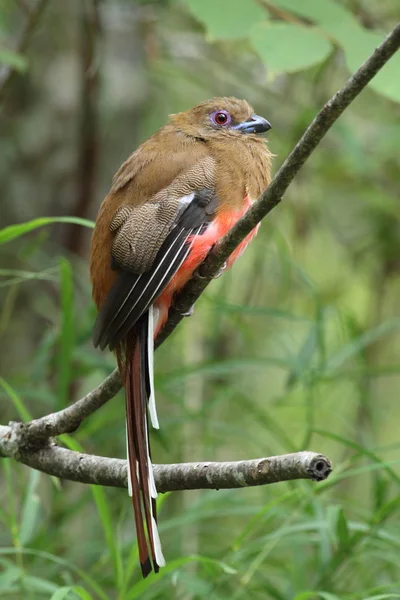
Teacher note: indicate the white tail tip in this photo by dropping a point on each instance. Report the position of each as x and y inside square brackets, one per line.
[157, 544]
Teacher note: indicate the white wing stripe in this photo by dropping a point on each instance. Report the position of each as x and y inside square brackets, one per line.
[129, 462]
[135, 284]
[150, 361]
[150, 280]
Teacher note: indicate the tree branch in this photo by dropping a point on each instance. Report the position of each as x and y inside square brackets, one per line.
[87, 468]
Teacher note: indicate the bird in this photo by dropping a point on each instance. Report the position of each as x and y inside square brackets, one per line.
[169, 204]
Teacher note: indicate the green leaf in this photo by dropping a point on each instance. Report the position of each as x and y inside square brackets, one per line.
[357, 42]
[312, 595]
[362, 451]
[256, 311]
[62, 593]
[57, 560]
[286, 47]
[359, 47]
[82, 593]
[14, 231]
[9, 575]
[69, 592]
[17, 276]
[383, 597]
[342, 529]
[39, 584]
[217, 368]
[354, 347]
[331, 16]
[217, 565]
[227, 19]
[30, 509]
[103, 510]
[304, 357]
[66, 346]
[14, 60]
[19, 406]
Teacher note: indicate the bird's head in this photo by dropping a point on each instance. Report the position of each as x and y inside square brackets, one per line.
[229, 116]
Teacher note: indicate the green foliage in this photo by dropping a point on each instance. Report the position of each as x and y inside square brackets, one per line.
[13, 59]
[227, 19]
[70, 592]
[274, 43]
[15, 231]
[17, 402]
[66, 339]
[306, 37]
[357, 42]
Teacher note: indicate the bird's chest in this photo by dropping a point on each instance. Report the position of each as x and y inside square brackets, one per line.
[200, 247]
[202, 244]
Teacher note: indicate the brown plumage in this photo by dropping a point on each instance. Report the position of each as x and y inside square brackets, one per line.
[174, 197]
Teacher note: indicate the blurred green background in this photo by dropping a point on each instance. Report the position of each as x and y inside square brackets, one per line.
[297, 347]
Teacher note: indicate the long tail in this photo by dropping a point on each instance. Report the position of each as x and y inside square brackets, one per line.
[139, 401]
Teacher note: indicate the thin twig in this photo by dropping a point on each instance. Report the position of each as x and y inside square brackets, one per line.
[87, 468]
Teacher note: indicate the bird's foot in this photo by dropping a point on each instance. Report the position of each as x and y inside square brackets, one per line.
[219, 273]
[189, 312]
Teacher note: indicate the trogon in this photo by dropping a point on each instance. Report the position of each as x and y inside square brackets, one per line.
[169, 203]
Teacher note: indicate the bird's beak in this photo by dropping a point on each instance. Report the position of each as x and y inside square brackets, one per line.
[255, 124]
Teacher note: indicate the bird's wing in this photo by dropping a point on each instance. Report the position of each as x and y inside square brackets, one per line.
[139, 284]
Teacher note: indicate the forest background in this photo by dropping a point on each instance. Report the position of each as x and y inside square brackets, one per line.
[296, 348]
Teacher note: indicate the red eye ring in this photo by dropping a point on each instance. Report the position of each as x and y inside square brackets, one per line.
[221, 118]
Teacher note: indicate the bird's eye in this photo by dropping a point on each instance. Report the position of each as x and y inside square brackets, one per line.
[221, 118]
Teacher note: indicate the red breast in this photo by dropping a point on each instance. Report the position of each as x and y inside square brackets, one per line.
[201, 246]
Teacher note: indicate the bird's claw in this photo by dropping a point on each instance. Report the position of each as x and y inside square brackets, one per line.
[221, 270]
[189, 312]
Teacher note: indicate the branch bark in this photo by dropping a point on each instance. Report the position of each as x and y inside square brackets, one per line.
[87, 468]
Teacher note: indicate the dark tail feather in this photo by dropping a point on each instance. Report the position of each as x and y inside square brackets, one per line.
[140, 468]
[134, 482]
